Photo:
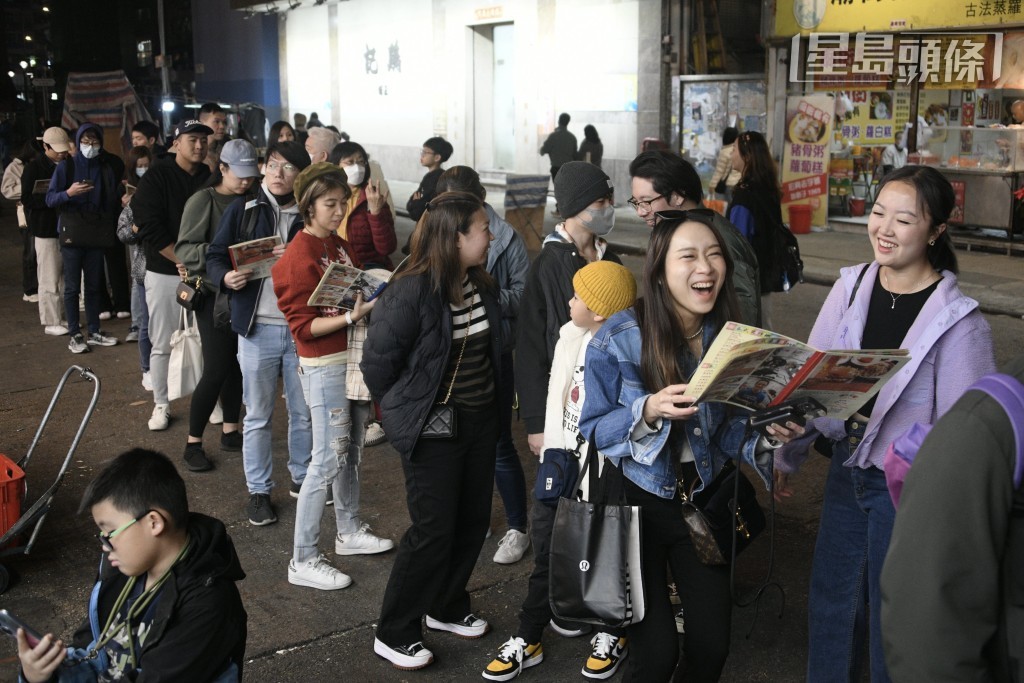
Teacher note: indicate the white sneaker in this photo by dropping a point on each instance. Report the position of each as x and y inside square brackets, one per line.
[470, 626]
[362, 542]
[30, 298]
[217, 416]
[55, 330]
[374, 435]
[100, 339]
[105, 315]
[512, 547]
[405, 657]
[161, 417]
[147, 382]
[316, 573]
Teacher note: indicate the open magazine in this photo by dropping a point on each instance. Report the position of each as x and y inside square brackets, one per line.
[255, 257]
[340, 284]
[756, 369]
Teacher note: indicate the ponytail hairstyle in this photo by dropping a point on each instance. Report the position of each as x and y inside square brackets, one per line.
[434, 248]
[935, 197]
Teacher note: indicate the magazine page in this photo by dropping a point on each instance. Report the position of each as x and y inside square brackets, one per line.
[757, 373]
[255, 257]
[41, 186]
[340, 284]
[845, 380]
[725, 349]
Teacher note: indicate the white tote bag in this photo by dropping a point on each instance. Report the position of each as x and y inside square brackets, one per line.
[186, 364]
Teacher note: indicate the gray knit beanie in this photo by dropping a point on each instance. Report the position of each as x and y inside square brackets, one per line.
[577, 185]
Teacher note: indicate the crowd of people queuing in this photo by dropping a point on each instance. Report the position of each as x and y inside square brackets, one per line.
[466, 325]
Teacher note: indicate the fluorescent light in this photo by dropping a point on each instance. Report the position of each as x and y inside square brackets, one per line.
[167, 106]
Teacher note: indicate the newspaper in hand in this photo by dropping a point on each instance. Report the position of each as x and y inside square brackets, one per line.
[756, 369]
[341, 283]
[255, 257]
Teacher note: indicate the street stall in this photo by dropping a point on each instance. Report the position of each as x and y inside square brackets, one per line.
[902, 80]
[107, 99]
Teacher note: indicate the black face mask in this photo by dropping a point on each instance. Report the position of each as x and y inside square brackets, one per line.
[284, 199]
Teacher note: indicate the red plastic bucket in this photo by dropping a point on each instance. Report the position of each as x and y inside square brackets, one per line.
[856, 206]
[800, 218]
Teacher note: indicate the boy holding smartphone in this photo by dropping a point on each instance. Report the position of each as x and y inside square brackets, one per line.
[166, 599]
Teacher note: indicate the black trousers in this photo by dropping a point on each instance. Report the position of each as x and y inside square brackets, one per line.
[448, 484]
[703, 592]
[222, 378]
[119, 298]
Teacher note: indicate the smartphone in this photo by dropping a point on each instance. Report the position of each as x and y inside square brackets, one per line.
[798, 412]
[10, 624]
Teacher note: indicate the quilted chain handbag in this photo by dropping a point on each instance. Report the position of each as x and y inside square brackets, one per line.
[440, 422]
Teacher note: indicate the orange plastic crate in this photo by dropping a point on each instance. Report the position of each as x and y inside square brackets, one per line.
[12, 493]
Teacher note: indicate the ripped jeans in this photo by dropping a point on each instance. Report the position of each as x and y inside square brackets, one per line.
[334, 462]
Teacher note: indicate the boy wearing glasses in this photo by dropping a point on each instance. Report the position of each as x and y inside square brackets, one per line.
[435, 152]
[663, 181]
[265, 346]
[166, 602]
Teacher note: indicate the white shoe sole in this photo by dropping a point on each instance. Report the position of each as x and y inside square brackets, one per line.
[526, 664]
[499, 557]
[341, 550]
[400, 661]
[565, 633]
[306, 583]
[460, 631]
[606, 674]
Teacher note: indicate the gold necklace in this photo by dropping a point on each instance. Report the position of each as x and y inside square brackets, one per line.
[885, 281]
[695, 334]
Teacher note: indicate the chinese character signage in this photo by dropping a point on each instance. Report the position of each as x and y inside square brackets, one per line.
[803, 16]
[873, 60]
[805, 157]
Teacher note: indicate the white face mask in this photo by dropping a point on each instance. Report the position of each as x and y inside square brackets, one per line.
[141, 171]
[89, 151]
[601, 220]
[355, 174]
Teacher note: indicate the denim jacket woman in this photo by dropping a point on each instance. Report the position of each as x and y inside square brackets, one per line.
[613, 415]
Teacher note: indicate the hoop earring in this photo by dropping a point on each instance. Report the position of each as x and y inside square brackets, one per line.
[931, 243]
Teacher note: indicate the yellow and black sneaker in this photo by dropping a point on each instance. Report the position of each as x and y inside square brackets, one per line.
[515, 655]
[604, 660]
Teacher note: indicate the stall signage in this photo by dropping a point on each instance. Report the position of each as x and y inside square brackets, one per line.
[803, 16]
[805, 156]
[865, 59]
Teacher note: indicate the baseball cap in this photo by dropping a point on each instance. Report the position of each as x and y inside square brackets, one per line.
[192, 126]
[57, 138]
[241, 157]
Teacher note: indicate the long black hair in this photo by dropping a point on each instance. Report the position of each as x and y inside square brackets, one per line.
[660, 327]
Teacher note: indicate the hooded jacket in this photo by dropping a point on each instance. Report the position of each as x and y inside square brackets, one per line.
[508, 264]
[199, 627]
[235, 227]
[950, 346]
[543, 310]
[104, 170]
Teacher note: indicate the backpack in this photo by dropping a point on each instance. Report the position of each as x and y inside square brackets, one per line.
[1006, 390]
[777, 250]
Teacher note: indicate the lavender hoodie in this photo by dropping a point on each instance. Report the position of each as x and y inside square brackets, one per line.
[950, 345]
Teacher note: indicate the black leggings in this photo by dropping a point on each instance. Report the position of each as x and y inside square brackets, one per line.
[703, 592]
[222, 378]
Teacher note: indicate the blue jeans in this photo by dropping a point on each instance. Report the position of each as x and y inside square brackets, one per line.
[79, 261]
[508, 470]
[140, 319]
[856, 523]
[334, 460]
[268, 352]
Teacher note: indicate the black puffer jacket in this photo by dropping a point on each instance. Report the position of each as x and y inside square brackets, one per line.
[406, 353]
[543, 310]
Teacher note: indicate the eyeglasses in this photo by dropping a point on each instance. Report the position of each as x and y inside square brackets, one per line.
[287, 168]
[105, 538]
[643, 204]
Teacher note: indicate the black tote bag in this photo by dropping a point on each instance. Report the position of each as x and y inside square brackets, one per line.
[595, 569]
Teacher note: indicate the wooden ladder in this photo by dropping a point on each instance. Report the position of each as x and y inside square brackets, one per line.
[708, 45]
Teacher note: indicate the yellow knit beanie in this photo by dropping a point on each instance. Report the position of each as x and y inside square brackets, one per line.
[605, 287]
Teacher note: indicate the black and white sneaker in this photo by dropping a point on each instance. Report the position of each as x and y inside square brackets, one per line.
[77, 344]
[406, 657]
[259, 510]
[470, 626]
